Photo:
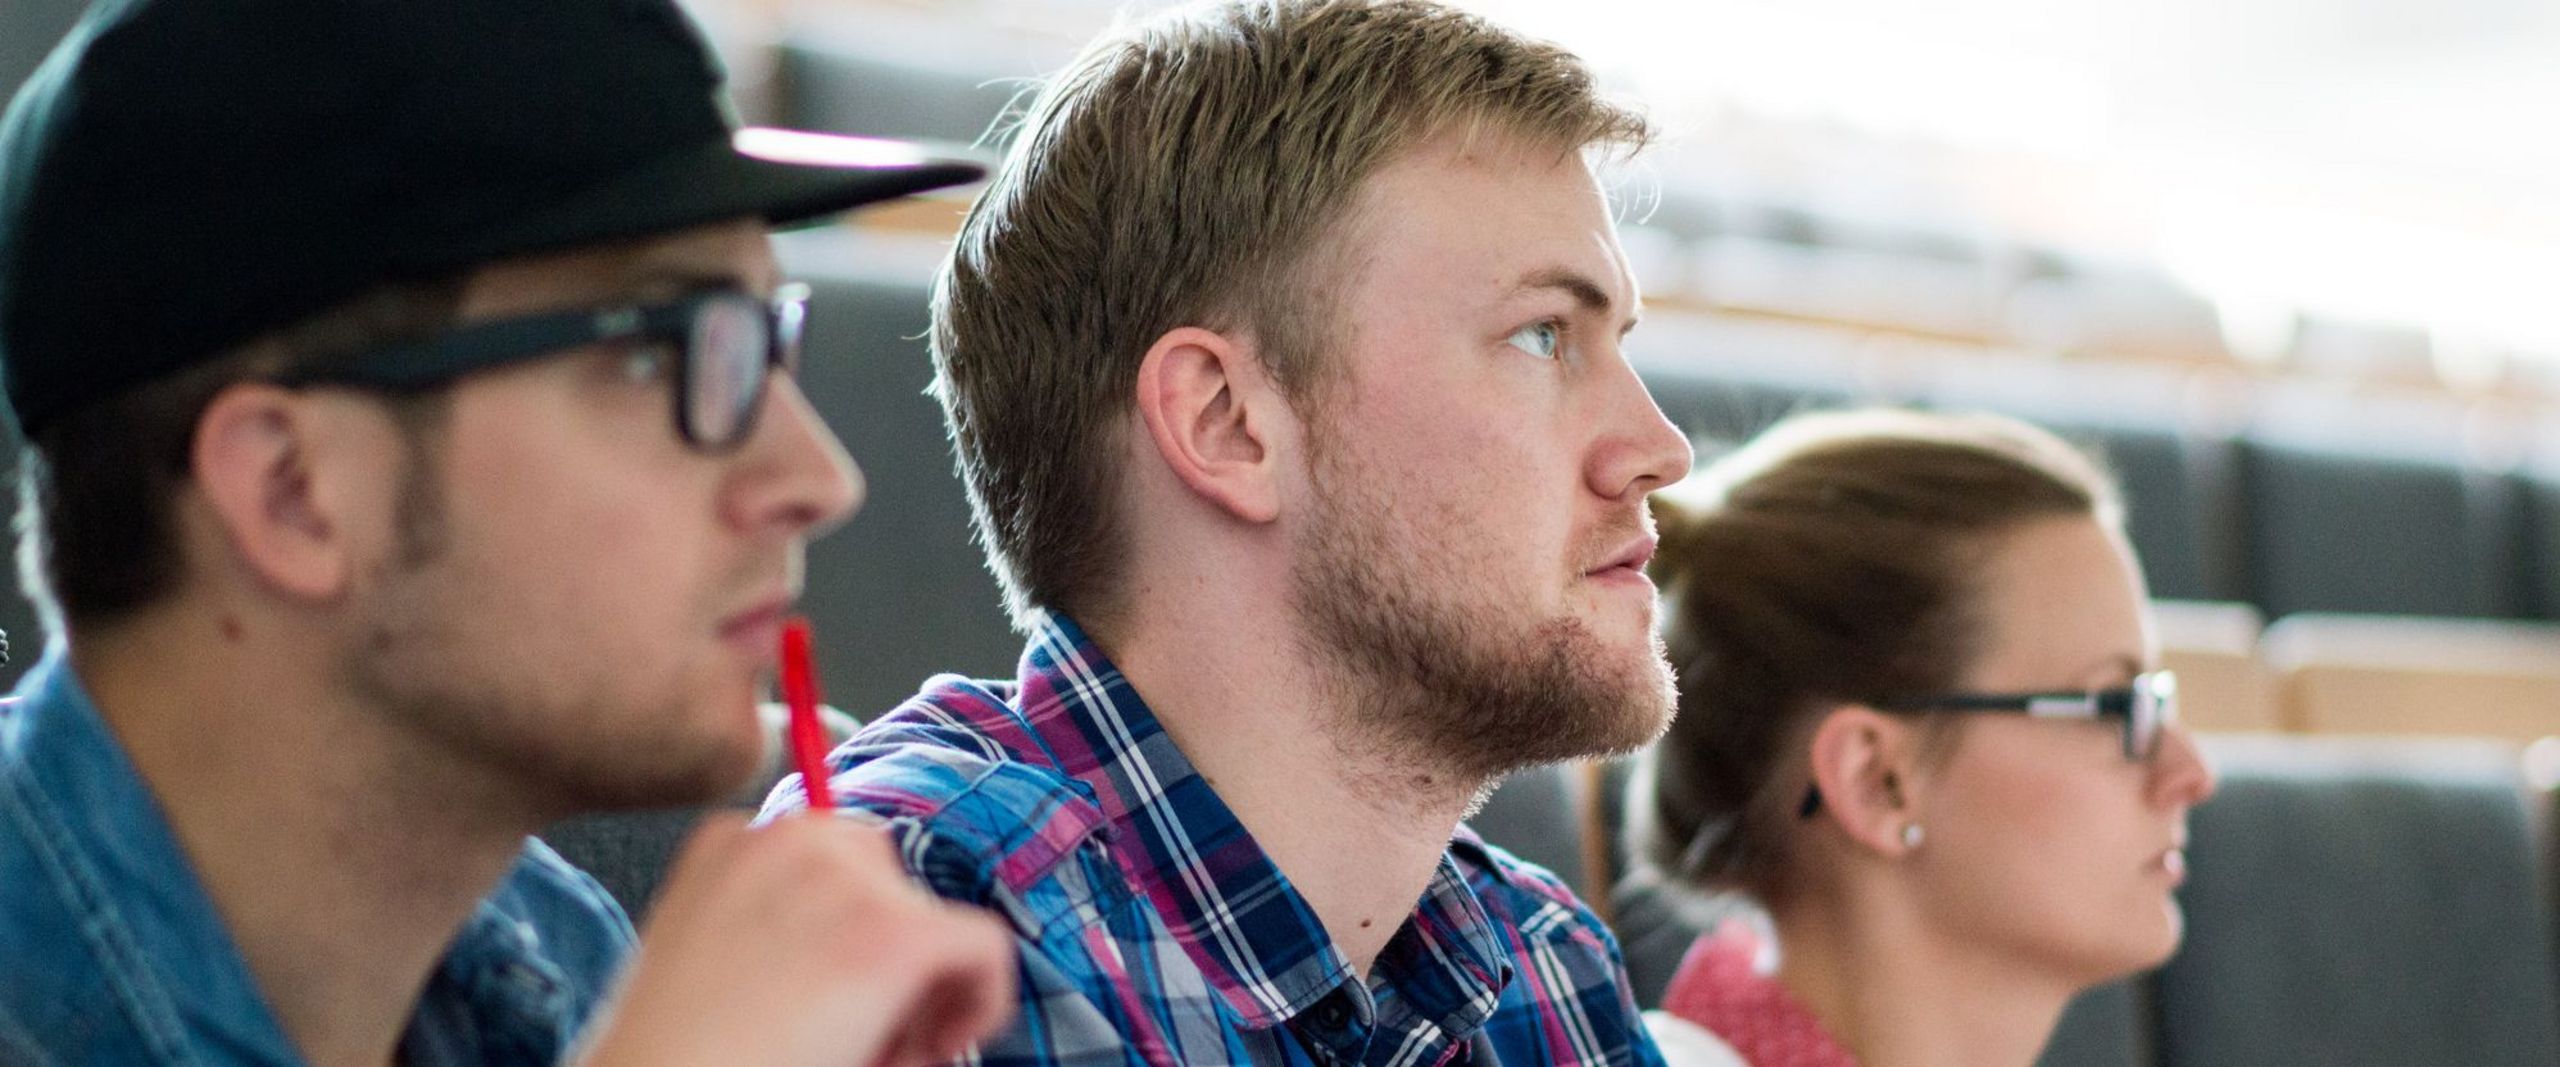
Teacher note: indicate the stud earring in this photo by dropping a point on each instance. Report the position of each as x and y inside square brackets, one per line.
[1912, 835]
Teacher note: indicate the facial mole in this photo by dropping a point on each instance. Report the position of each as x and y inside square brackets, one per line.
[1364, 924]
[232, 630]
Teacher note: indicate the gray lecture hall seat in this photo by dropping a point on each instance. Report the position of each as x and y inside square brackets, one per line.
[2537, 485]
[2141, 421]
[900, 592]
[1723, 380]
[2362, 902]
[2180, 509]
[2365, 506]
[899, 77]
[1536, 815]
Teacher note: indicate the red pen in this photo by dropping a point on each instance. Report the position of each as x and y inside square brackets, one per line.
[800, 691]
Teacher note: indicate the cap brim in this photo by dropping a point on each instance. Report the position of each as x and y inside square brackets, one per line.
[781, 176]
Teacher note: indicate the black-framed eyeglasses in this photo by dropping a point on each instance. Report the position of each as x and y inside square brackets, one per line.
[2145, 707]
[730, 343]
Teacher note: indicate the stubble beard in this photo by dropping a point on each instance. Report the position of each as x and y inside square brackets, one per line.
[420, 662]
[1429, 684]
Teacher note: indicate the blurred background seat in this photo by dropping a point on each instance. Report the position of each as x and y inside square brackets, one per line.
[901, 592]
[2362, 902]
[906, 77]
[2361, 504]
[1536, 815]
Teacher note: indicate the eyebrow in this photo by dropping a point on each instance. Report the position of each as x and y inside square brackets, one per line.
[1585, 292]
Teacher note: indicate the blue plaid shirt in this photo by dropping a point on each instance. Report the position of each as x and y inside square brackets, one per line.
[111, 953]
[1154, 931]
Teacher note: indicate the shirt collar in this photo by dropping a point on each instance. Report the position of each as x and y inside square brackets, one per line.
[1180, 846]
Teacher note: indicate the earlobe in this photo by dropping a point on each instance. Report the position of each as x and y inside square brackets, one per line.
[1860, 763]
[252, 462]
[1205, 401]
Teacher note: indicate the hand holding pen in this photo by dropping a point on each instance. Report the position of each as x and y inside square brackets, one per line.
[804, 941]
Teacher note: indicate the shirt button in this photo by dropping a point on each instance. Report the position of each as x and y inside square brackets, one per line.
[1332, 1014]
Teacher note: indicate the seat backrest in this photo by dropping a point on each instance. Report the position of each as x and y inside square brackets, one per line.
[2143, 421]
[909, 78]
[2356, 505]
[900, 592]
[1535, 816]
[2537, 487]
[1758, 374]
[2361, 902]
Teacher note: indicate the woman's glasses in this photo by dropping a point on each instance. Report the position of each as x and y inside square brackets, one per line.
[2145, 708]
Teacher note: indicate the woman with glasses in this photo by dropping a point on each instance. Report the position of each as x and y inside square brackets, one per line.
[1923, 726]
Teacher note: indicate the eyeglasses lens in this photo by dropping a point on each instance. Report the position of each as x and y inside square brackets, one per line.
[2155, 706]
[790, 313]
[725, 370]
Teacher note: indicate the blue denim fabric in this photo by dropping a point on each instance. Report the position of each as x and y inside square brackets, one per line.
[112, 954]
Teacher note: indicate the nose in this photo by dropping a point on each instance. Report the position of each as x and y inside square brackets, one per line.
[793, 475]
[2181, 775]
[1639, 449]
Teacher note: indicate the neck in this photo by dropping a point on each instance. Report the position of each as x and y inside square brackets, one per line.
[261, 768]
[1357, 833]
[1899, 994]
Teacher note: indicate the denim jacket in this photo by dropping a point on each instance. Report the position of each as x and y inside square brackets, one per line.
[111, 953]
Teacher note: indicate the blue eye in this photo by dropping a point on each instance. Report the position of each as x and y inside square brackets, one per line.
[1540, 339]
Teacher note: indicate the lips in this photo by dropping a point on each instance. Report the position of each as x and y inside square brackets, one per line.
[1632, 557]
[758, 629]
[769, 610]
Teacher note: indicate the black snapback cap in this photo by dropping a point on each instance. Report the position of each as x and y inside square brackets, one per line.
[182, 176]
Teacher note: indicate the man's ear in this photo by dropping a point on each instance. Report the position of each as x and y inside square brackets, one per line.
[1864, 762]
[282, 519]
[1209, 407]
